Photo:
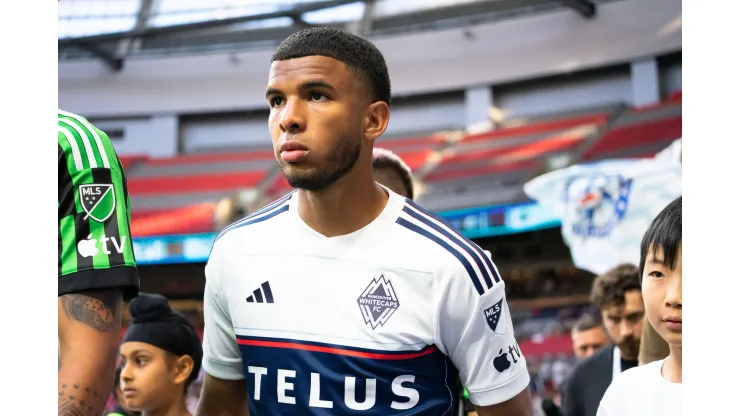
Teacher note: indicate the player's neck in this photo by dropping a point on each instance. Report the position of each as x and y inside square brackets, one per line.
[673, 367]
[347, 206]
[176, 408]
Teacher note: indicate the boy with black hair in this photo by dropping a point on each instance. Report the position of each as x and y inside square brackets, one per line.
[655, 389]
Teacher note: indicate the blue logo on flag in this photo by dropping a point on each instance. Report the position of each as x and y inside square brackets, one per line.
[600, 203]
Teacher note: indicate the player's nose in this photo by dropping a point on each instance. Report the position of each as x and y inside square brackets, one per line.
[292, 117]
[673, 296]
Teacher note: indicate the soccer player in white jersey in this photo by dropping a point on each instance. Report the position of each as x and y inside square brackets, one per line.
[344, 298]
[654, 389]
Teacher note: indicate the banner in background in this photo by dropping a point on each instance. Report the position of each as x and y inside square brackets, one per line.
[472, 223]
[605, 207]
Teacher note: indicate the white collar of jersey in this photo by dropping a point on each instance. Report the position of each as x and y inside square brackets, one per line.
[390, 213]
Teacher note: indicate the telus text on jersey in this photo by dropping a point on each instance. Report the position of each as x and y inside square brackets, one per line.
[407, 397]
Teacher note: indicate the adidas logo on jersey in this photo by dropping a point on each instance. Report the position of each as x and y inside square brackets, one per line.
[262, 294]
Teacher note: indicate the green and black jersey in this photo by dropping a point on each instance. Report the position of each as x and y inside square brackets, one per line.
[95, 247]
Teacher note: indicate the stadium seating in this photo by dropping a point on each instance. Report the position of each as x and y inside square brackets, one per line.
[490, 168]
[640, 132]
[178, 195]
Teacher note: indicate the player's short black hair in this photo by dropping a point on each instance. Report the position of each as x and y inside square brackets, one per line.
[384, 158]
[609, 288]
[358, 53]
[586, 322]
[663, 234]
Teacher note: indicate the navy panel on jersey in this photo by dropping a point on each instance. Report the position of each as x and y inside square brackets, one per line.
[322, 375]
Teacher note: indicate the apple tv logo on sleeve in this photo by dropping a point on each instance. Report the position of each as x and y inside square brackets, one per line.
[501, 363]
[89, 247]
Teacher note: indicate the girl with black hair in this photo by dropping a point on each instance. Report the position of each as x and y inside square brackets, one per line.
[160, 356]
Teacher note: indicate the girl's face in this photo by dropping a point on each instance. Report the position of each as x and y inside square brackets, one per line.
[151, 377]
[661, 289]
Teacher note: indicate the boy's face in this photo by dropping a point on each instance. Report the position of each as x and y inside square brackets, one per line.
[661, 289]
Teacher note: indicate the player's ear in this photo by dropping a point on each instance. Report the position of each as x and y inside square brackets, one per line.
[376, 120]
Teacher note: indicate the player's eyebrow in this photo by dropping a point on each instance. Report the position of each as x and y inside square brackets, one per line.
[316, 84]
[308, 85]
[272, 91]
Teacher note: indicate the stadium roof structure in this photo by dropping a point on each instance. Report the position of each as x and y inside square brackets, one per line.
[115, 30]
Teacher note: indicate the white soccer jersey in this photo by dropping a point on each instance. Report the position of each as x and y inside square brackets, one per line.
[376, 322]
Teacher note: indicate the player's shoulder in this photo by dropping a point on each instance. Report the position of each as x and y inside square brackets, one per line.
[77, 124]
[256, 229]
[439, 246]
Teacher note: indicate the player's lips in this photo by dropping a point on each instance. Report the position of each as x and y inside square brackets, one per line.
[128, 392]
[292, 151]
[674, 323]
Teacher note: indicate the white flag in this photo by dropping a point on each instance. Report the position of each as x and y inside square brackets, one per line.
[605, 207]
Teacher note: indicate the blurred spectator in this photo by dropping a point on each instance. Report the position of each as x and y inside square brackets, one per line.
[588, 336]
[559, 370]
[392, 172]
[617, 294]
[193, 394]
[229, 210]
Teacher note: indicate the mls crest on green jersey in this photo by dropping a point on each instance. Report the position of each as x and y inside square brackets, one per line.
[98, 201]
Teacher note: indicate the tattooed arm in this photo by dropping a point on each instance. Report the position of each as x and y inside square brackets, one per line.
[89, 333]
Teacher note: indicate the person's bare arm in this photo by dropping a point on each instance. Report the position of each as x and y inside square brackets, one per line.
[89, 332]
[519, 405]
[222, 398]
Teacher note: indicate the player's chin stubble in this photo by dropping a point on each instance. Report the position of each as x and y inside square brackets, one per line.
[338, 163]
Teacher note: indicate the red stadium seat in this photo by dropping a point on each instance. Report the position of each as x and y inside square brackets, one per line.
[187, 220]
[192, 183]
[553, 345]
[635, 135]
[534, 128]
[478, 171]
[129, 161]
[525, 151]
[212, 157]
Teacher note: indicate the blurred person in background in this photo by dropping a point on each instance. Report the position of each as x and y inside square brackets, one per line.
[160, 357]
[329, 94]
[228, 210]
[392, 172]
[97, 271]
[193, 395]
[119, 407]
[655, 389]
[617, 296]
[588, 336]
